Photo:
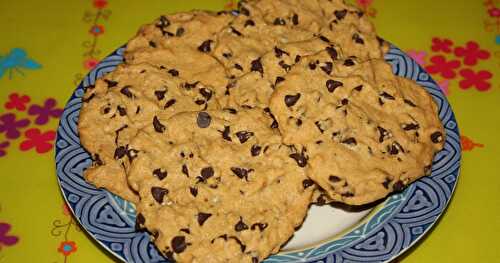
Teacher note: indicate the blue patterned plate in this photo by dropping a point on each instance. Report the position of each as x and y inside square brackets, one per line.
[374, 236]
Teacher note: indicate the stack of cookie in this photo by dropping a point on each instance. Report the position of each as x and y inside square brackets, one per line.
[224, 127]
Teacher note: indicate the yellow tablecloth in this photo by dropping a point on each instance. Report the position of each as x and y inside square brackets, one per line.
[47, 46]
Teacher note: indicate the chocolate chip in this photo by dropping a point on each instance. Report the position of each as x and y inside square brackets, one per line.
[205, 46]
[331, 85]
[97, 159]
[179, 244]
[409, 102]
[332, 52]
[231, 110]
[236, 32]
[348, 62]
[274, 125]
[340, 14]
[255, 260]
[279, 53]
[164, 22]
[298, 122]
[344, 101]
[249, 22]
[227, 55]
[139, 222]
[190, 86]
[193, 191]
[297, 58]
[257, 66]
[158, 193]
[324, 39]
[327, 68]
[169, 255]
[226, 133]
[89, 98]
[278, 80]
[180, 31]
[411, 126]
[386, 183]
[318, 125]
[260, 226]
[199, 102]
[152, 44]
[347, 194]
[202, 217]
[383, 133]
[312, 65]
[334, 179]
[255, 150]
[169, 103]
[207, 172]
[244, 11]
[126, 91]
[203, 120]
[138, 110]
[160, 128]
[285, 66]
[160, 94]
[392, 149]
[242, 173]
[295, 19]
[279, 21]
[307, 183]
[386, 95]
[358, 88]
[290, 100]
[160, 174]
[229, 86]
[122, 111]
[111, 83]
[243, 136]
[240, 226]
[437, 137]
[398, 186]
[185, 230]
[238, 67]
[120, 152]
[185, 170]
[300, 158]
[349, 141]
[358, 39]
[173, 72]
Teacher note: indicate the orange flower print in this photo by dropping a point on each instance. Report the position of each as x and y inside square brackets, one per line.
[67, 248]
[468, 145]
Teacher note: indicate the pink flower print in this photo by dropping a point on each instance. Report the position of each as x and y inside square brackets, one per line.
[364, 3]
[3, 146]
[444, 86]
[418, 56]
[439, 44]
[45, 112]
[11, 126]
[5, 239]
[494, 12]
[443, 67]
[471, 53]
[478, 80]
[17, 102]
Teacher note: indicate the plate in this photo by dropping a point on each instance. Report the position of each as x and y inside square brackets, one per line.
[329, 234]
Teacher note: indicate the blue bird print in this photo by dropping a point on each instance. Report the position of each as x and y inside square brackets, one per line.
[15, 61]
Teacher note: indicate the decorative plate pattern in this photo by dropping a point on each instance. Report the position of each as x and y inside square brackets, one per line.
[402, 220]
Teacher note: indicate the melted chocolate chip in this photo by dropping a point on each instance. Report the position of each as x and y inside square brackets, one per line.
[386, 183]
[437, 137]
[180, 31]
[307, 183]
[358, 88]
[386, 95]
[126, 91]
[120, 152]
[199, 102]
[300, 158]
[89, 98]
[278, 80]
[295, 19]
[160, 174]
[97, 160]
[334, 179]
[243, 136]
[203, 120]
[312, 65]
[160, 94]
[242, 173]
[236, 32]
[249, 22]
[206, 173]
[349, 141]
[111, 83]
[348, 62]
[255, 150]
[179, 244]
[331, 85]
[202, 217]
[260, 226]
[332, 52]
[383, 133]
[285, 66]
[122, 111]
[344, 102]
[139, 222]
[158, 193]
[409, 102]
[398, 186]
[297, 58]
[324, 39]
[279, 21]
[190, 86]
[238, 67]
[205, 46]
[279, 53]
[357, 39]
[411, 126]
[173, 72]
[231, 110]
[226, 133]
[240, 226]
[290, 100]
[193, 191]
[169, 103]
[340, 14]
[327, 68]
[185, 230]
[257, 66]
[152, 44]
[160, 128]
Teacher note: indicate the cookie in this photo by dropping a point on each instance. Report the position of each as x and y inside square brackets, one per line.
[181, 43]
[218, 186]
[254, 89]
[122, 102]
[359, 139]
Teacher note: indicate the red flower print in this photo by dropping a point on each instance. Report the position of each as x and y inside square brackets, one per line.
[97, 30]
[471, 53]
[439, 44]
[445, 68]
[468, 144]
[494, 12]
[90, 63]
[11, 126]
[5, 239]
[3, 146]
[42, 142]
[100, 4]
[17, 102]
[479, 79]
[364, 3]
[67, 248]
[45, 112]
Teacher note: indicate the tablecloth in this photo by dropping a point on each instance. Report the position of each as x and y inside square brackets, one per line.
[47, 46]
